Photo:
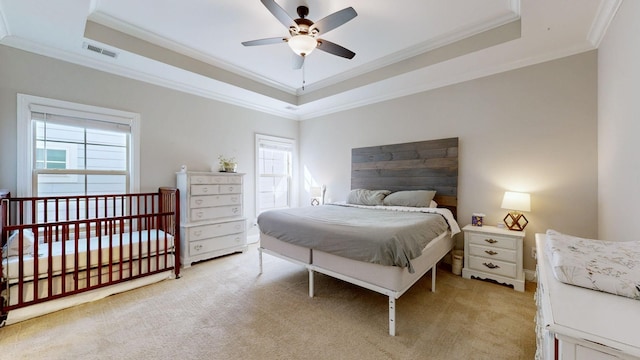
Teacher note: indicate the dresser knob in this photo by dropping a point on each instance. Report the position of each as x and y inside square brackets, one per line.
[490, 252]
[198, 247]
[198, 201]
[491, 265]
[491, 241]
[197, 232]
[199, 214]
[206, 189]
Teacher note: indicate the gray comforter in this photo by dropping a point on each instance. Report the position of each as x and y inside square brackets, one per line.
[378, 236]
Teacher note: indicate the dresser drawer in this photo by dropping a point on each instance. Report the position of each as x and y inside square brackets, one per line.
[491, 253]
[209, 189]
[230, 189]
[493, 240]
[214, 244]
[212, 179]
[209, 213]
[491, 266]
[214, 200]
[208, 231]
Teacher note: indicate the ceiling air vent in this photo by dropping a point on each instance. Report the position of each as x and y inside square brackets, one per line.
[100, 50]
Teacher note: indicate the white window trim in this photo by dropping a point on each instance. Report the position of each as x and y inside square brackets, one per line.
[25, 141]
[293, 186]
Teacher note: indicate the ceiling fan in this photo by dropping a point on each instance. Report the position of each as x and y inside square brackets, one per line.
[305, 33]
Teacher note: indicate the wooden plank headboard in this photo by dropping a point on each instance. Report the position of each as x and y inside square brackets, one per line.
[422, 165]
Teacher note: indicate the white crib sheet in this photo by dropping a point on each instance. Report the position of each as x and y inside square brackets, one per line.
[147, 238]
[608, 266]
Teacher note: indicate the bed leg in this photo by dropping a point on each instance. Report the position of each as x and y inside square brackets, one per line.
[260, 260]
[392, 316]
[433, 279]
[311, 290]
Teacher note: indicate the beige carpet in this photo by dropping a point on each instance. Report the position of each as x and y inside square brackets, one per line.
[222, 309]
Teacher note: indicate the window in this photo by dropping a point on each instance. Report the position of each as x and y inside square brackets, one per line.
[72, 149]
[274, 172]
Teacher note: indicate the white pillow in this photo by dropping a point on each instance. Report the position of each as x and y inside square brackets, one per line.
[433, 204]
[12, 247]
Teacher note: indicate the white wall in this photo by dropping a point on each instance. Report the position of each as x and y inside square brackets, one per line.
[176, 128]
[619, 126]
[532, 129]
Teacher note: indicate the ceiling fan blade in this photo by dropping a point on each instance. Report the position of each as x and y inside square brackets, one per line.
[279, 13]
[334, 20]
[335, 49]
[268, 41]
[297, 62]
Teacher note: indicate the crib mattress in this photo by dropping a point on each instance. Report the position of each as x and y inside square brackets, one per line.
[608, 266]
[94, 253]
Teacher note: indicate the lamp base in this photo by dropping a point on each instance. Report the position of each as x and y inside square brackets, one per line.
[315, 202]
[515, 221]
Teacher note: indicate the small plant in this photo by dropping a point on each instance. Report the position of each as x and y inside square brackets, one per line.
[227, 164]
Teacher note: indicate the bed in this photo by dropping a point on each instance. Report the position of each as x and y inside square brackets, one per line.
[58, 252]
[382, 171]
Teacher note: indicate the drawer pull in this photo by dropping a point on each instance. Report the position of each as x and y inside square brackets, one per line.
[199, 214]
[491, 241]
[197, 232]
[235, 210]
[198, 201]
[490, 252]
[230, 188]
[491, 265]
[197, 247]
[206, 189]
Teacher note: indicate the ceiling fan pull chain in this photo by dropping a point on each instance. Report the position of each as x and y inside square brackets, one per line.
[303, 76]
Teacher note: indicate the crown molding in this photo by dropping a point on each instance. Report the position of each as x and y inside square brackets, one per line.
[606, 12]
[419, 49]
[219, 91]
[154, 38]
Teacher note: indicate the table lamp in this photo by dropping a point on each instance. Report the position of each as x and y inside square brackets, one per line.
[316, 193]
[516, 202]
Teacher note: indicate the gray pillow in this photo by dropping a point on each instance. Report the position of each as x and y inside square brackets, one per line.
[415, 198]
[367, 197]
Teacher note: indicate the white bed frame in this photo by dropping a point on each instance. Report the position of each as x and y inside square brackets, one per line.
[392, 281]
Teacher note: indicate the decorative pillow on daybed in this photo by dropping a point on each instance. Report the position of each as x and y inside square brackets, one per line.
[609, 266]
[13, 243]
[413, 198]
[367, 197]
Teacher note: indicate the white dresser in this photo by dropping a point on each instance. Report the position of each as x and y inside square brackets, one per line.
[494, 253]
[212, 219]
[575, 323]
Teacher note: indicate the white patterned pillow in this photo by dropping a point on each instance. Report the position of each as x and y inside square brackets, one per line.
[609, 266]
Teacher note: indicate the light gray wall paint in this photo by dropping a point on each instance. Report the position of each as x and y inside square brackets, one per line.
[532, 129]
[619, 127]
[176, 128]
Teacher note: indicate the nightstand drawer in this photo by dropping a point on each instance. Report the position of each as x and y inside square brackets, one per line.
[493, 240]
[493, 253]
[496, 267]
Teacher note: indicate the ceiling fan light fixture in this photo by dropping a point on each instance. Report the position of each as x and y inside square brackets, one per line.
[302, 45]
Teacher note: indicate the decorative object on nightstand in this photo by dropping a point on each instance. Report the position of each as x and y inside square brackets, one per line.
[516, 202]
[494, 253]
[476, 219]
[212, 223]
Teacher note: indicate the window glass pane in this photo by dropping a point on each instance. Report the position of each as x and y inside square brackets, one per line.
[106, 184]
[101, 157]
[274, 165]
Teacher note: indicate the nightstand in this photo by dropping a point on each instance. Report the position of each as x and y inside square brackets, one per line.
[494, 253]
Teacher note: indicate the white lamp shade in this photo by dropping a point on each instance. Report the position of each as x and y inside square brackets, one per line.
[302, 45]
[516, 201]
